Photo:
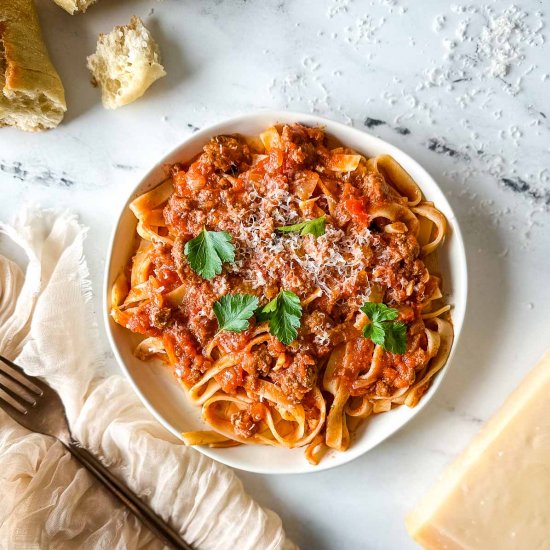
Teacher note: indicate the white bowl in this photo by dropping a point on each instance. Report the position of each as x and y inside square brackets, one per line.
[156, 385]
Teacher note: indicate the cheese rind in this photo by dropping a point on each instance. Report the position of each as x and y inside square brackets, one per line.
[496, 494]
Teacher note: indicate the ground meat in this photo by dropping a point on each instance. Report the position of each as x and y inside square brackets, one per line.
[298, 378]
[274, 347]
[228, 154]
[176, 212]
[402, 246]
[356, 358]
[258, 363]
[197, 305]
[301, 146]
[315, 330]
[140, 321]
[244, 424]
[374, 188]
[208, 199]
[406, 376]
[160, 316]
[196, 220]
[404, 280]
[343, 332]
[178, 255]
[232, 342]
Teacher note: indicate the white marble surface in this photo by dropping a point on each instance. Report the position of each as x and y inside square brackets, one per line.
[485, 139]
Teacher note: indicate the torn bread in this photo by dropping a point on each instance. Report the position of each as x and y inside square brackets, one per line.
[126, 63]
[74, 6]
[32, 96]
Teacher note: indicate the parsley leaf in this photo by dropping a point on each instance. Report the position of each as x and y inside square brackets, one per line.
[379, 312]
[383, 329]
[206, 252]
[233, 311]
[283, 313]
[315, 227]
[261, 316]
[375, 332]
[396, 337]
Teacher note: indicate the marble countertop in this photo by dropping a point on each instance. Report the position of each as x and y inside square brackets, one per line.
[463, 89]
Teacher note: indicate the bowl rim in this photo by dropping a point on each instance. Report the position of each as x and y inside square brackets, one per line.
[279, 117]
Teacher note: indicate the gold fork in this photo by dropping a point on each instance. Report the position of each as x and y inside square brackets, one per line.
[37, 407]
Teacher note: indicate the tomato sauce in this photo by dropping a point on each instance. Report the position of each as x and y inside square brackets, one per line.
[236, 187]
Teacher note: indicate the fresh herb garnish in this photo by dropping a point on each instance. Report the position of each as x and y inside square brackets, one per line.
[383, 329]
[233, 311]
[283, 313]
[208, 250]
[315, 227]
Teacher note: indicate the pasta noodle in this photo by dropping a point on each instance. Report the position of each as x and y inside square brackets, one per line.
[378, 238]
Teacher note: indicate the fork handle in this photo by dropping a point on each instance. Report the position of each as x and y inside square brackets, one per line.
[170, 537]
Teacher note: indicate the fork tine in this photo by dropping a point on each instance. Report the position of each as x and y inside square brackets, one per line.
[8, 399]
[17, 374]
[17, 391]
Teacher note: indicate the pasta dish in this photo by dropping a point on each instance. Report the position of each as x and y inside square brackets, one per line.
[291, 284]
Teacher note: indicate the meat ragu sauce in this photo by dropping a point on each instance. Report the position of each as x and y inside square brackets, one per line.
[235, 186]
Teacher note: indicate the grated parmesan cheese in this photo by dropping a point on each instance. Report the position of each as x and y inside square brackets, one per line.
[330, 262]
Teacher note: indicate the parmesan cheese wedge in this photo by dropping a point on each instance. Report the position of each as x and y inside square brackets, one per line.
[496, 495]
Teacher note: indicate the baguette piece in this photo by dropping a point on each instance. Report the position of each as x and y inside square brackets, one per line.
[126, 63]
[32, 95]
[74, 6]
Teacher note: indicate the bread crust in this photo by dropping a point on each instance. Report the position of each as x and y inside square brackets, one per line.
[32, 96]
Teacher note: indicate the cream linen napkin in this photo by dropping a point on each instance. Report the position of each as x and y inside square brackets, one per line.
[48, 500]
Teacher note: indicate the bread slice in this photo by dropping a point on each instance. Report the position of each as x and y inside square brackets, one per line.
[126, 63]
[74, 6]
[32, 96]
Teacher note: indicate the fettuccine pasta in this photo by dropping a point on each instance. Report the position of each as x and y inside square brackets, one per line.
[374, 237]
